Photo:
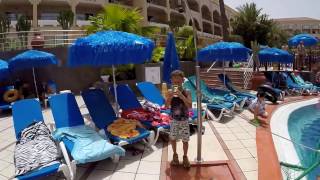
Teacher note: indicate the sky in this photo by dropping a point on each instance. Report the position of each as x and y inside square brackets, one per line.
[283, 8]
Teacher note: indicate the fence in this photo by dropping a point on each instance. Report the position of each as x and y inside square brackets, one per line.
[45, 38]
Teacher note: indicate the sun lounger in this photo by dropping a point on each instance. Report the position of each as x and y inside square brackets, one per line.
[219, 94]
[291, 85]
[127, 100]
[224, 78]
[151, 93]
[215, 106]
[306, 85]
[66, 114]
[102, 114]
[24, 113]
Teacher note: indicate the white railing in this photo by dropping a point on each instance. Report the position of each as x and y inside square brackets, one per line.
[211, 66]
[49, 38]
[247, 74]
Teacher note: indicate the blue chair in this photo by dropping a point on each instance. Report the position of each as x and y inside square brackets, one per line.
[127, 100]
[290, 83]
[219, 93]
[214, 105]
[224, 78]
[103, 115]
[66, 113]
[24, 113]
[151, 93]
[305, 84]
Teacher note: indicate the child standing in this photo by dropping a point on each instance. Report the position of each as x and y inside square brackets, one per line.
[179, 101]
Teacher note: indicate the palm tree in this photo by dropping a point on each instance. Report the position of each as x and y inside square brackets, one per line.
[224, 21]
[251, 24]
[115, 17]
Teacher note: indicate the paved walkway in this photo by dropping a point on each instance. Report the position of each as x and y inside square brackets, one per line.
[232, 140]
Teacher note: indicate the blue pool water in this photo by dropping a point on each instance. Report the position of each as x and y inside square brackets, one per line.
[304, 128]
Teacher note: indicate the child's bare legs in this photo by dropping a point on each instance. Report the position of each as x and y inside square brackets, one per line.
[185, 148]
[186, 163]
[174, 146]
[175, 159]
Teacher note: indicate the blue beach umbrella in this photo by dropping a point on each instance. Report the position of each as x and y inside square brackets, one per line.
[275, 55]
[4, 70]
[110, 48]
[307, 39]
[224, 51]
[171, 58]
[32, 59]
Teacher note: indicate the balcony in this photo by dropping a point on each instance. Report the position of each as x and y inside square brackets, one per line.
[162, 3]
[126, 3]
[157, 15]
[193, 5]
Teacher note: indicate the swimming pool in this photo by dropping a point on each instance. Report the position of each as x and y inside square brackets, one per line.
[296, 121]
[304, 128]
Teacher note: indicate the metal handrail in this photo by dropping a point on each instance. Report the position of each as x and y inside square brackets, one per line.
[247, 74]
[50, 38]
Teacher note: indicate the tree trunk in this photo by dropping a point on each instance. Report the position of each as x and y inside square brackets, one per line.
[223, 17]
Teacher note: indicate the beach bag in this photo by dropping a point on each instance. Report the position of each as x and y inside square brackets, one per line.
[36, 148]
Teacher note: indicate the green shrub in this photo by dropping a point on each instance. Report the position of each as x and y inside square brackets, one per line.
[158, 53]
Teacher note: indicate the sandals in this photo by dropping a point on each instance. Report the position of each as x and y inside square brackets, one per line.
[186, 163]
[175, 160]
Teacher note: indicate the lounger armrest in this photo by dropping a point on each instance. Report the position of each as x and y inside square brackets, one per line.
[51, 126]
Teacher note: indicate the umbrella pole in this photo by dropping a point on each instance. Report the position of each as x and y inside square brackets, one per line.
[115, 89]
[35, 82]
[224, 75]
[199, 104]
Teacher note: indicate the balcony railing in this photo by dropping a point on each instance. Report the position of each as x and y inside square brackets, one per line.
[49, 38]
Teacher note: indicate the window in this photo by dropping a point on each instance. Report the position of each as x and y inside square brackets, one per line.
[49, 16]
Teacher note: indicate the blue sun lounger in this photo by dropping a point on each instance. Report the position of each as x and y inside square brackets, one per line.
[218, 93]
[66, 114]
[127, 100]
[306, 85]
[214, 106]
[290, 83]
[224, 78]
[24, 113]
[151, 93]
[102, 114]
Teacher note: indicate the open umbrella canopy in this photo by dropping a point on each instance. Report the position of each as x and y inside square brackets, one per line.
[4, 70]
[275, 55]
[224, 51]
[110, 48]
[307, 39]
[171, 58]
[31, 59]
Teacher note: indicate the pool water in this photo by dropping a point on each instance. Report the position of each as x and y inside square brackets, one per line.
[304, 128]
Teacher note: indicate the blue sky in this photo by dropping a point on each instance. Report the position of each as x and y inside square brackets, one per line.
[284, 8]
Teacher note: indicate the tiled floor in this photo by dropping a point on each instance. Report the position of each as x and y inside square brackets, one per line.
[238, 135]
[240, 139]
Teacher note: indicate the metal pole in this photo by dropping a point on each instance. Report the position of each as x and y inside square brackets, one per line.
[35, 82]
[115, 90]
[199, 143]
